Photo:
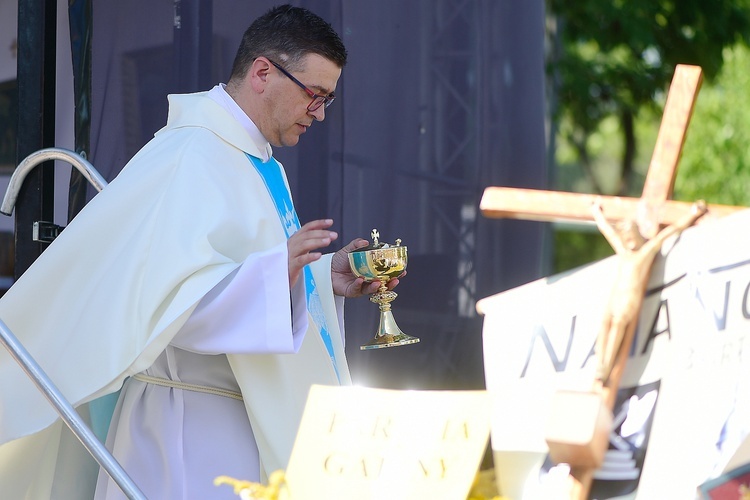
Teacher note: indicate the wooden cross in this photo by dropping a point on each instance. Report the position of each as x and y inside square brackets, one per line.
[652, 211]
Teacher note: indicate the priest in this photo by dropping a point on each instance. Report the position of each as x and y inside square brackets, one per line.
[190, 284]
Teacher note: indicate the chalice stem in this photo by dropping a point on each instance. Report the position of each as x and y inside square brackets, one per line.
[387, 325]
[388, 334]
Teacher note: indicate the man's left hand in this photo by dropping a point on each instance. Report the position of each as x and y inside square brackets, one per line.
[345, 282]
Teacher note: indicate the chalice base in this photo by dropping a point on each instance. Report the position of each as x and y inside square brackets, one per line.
[389, 334]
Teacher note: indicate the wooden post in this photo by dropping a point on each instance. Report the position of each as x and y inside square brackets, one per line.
[662, 170]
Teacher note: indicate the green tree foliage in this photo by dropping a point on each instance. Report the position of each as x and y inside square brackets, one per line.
[715, 163]
[614, 59]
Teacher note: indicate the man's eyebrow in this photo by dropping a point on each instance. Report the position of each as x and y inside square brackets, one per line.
[321, 90]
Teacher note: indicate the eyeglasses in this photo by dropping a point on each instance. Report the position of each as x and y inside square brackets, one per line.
[317, 99]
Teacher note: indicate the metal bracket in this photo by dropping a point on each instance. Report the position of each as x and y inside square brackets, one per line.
[45, 232]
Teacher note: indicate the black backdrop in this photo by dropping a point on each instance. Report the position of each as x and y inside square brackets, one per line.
[440, 99]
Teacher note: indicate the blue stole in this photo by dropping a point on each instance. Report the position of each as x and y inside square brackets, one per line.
[270, 172]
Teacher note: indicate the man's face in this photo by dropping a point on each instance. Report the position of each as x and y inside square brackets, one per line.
[288, 117]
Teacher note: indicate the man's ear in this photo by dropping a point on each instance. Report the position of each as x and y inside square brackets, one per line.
[258, 74]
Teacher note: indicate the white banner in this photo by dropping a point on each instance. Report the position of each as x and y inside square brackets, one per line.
[683, 407]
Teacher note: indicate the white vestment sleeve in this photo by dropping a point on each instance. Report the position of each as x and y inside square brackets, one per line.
[338, 300]
[251, 311]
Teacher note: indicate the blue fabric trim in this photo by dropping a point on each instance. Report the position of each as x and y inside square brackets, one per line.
[270, 172]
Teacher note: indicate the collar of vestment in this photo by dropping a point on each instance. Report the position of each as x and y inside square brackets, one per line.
[220, 95]
[201, 110]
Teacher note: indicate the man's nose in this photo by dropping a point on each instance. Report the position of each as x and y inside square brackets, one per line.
[319, 114]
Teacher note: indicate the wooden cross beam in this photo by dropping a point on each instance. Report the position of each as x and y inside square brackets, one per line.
[652, 211]
[558, 206]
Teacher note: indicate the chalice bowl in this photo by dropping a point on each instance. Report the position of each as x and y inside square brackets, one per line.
[382, 262]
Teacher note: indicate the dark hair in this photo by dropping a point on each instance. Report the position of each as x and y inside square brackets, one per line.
[286, 34]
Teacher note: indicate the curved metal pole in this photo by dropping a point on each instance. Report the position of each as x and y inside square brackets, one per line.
[68, 414]
[37, 157]
[22, 356]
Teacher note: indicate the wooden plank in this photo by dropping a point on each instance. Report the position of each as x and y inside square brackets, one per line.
[662, 171]
[558, 206]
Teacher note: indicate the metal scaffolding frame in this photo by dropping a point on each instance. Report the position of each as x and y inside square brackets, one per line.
[452, 57]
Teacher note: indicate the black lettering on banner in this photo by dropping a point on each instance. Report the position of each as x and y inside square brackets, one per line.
[653, 332]
[559, 364]
[720, 321]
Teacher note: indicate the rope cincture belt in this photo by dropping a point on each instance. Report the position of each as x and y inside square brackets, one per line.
[165, 382]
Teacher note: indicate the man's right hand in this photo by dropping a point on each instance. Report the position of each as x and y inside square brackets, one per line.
[301, 245]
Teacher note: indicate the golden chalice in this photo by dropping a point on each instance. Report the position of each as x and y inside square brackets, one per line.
[382, 262]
